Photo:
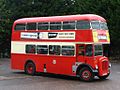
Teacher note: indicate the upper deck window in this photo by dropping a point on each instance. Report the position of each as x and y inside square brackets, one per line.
[103, 26]
[68, 25]
[95, 24]
[83, 24]
[99, 25]
[55, 25]
[20, 26]
[43, 26]
[31, 26]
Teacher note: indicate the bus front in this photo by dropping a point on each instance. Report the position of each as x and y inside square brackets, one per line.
[100, 48]
[92, 53]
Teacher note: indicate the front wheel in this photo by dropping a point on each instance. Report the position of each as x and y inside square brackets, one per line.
[86, 74]
[30, 68]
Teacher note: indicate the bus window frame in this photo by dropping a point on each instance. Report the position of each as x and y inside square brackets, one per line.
[73, 50]
[106, 28]
[98, 24]
[82, 28]
[40, 48]
[30, 25]
[55, 24]
[46, 24]
[92, 50]
[48, 50]
[55, 54]
[33, 46]
[95, 50]
[69, 24]
[19, 24]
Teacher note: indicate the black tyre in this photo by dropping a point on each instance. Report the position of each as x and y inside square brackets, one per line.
[30, 68]
[86, 74]
[104, 77]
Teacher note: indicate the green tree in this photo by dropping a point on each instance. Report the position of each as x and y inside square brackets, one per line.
[10, 10]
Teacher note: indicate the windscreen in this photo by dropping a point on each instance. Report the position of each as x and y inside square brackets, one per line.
[89, 50]
[98, 50]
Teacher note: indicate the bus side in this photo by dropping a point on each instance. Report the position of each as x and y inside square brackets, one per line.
[60, 63]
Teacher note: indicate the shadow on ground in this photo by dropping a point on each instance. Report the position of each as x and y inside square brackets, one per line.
[58, 76]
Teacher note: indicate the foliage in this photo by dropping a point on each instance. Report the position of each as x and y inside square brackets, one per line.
[10, 10]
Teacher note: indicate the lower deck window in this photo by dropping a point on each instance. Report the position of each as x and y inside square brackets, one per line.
[50, 49]
[30, 49]
[54, 50]
[42, 49]
[68, 50]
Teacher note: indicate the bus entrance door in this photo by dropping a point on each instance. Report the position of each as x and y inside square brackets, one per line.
[80, 52]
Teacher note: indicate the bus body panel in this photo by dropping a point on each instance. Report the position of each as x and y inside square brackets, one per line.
[54, 64]
[81, 36]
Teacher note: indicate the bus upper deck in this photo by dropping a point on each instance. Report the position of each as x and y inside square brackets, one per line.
[76, 28]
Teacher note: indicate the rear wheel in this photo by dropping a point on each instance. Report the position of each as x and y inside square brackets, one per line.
[86, 74]
[30, 68]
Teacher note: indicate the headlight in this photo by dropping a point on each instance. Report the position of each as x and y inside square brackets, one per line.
[110, 65]
[96, 66]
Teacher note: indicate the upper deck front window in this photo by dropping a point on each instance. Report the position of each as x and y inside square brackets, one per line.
[99, 25]
[103, 26]
[95, 24]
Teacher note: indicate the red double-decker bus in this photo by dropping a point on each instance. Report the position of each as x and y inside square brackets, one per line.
[69, 45]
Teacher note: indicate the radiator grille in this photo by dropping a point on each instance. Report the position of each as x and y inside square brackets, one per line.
[105, 65]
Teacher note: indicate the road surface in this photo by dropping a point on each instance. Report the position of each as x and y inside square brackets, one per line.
[18, 80]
